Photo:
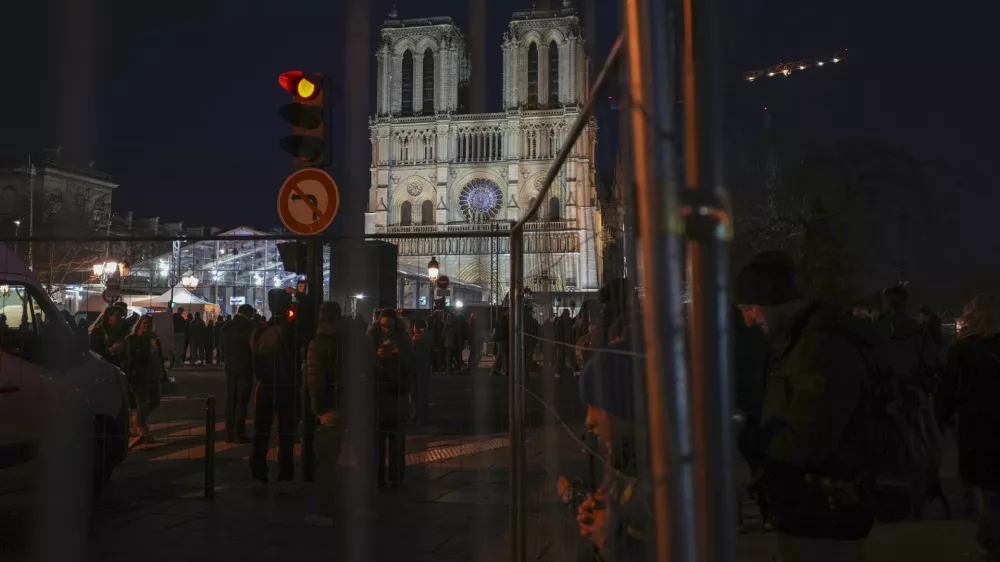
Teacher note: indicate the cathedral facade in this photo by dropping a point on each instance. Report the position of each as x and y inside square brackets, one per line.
[436, 168]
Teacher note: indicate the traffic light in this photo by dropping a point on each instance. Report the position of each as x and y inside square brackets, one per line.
[309, 144]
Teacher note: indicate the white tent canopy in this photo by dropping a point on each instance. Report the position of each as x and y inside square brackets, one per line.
[179, 295]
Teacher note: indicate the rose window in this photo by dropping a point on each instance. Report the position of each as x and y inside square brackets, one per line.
[481, 200]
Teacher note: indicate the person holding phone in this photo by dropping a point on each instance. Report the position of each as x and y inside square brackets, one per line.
[393, 367]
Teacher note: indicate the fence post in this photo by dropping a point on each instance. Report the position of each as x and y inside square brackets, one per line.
[519, 539]
[210, 447]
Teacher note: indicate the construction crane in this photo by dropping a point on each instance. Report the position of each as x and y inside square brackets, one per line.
[787, 68]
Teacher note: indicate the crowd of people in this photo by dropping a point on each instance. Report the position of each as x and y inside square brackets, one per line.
[838, 399]
[844, 405]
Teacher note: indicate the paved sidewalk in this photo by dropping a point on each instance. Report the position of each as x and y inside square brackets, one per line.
[450, 509]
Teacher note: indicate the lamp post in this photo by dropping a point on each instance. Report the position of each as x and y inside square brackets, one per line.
[433, 270]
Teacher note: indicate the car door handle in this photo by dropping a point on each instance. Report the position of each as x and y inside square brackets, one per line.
[7, 388]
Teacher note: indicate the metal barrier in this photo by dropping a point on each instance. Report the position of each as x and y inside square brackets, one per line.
[210, 447]
[518, 356]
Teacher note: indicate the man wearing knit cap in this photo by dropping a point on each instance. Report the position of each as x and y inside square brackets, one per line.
[616, 516]
[810, 442]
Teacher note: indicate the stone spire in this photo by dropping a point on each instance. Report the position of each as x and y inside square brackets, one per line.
[394, 14]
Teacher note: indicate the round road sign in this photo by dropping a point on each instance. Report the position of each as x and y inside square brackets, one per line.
[443, 282]
[111, 296]
[308, 201]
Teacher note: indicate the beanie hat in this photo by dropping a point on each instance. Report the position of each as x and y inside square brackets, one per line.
[768, 280]
[279, 302]
[608, 380]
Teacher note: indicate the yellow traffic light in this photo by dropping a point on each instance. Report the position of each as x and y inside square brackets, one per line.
[305, 88]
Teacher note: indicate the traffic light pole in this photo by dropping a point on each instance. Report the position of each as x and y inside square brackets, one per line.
[314, 274]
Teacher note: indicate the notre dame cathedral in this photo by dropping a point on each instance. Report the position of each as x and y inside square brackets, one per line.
[436, 168]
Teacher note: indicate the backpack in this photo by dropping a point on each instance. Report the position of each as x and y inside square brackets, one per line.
[899, 468]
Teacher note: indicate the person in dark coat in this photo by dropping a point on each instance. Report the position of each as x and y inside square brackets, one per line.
[911, 351]
[199, 339]
[324, 422]
[143, 366]
[475, 338]
[107, 335]
[273, 349]
[931, 323]
[813, 429]
[969, 394]
[453, 344]
[393, 368]
[220, 354]
[422, 348]
[615, 510]
[235, 337]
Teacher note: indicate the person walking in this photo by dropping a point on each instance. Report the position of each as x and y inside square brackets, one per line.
[969, 394]
[143, 366]
[235, 338]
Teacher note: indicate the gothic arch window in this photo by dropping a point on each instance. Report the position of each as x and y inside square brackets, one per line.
[405, 214]
[481, 200]
[553, 74]
[533, 75]
[554, 209]
[427, 212]
[428, 82]
[407, 89]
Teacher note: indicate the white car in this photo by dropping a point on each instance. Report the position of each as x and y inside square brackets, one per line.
[63, 409]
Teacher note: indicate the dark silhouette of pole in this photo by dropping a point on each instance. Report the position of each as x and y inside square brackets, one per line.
[210, 447]
[709, 230]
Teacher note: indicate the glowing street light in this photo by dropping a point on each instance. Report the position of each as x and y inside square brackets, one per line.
[433, 269]
[189, 281]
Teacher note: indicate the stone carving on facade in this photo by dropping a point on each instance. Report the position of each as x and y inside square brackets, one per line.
[453, 173]
[503, 172]
[525, 173]
[395, 178]
[415, 188]
[432, 177]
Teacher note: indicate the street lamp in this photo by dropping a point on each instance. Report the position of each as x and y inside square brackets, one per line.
[109, 268]
[189, 281]
[433, 269]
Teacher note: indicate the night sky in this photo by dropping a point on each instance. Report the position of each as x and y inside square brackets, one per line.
[179, 102]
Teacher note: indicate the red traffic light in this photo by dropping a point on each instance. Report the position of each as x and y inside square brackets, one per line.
[298, 84]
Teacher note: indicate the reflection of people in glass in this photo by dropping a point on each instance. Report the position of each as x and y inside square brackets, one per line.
[143, 366]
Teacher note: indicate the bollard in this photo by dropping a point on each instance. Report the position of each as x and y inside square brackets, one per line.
[209, 447]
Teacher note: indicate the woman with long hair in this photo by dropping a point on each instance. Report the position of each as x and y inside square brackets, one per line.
[143, 366]
[969, 393]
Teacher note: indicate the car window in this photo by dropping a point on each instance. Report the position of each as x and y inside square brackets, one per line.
[17, 325]
[28, 325]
